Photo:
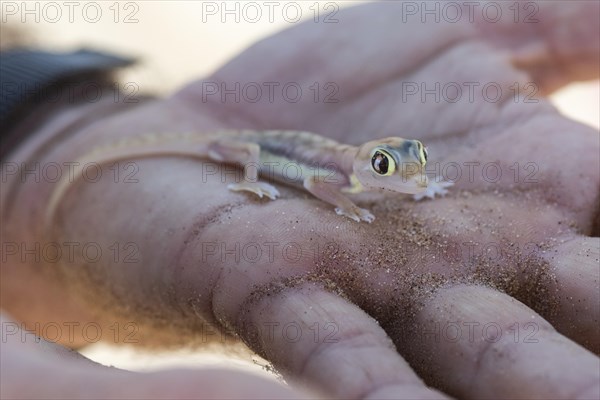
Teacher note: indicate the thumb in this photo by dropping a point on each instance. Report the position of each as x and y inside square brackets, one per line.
[33, 368]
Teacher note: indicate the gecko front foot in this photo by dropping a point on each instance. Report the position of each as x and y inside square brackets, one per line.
[434, 188]
[260, 188]
[357, 214]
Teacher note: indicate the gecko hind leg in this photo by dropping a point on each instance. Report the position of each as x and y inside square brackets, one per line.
[246, 154]
[331, 194]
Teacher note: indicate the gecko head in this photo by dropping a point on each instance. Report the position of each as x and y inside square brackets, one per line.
[393, 163]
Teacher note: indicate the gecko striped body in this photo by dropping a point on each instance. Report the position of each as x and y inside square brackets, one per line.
[322, 166]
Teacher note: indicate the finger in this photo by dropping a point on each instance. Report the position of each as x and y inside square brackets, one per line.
[475, 342]
[320, 339]
[577, 289]
[33, 368]
[555, 41]
[258, 293]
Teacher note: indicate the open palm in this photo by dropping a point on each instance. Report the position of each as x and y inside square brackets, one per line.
[491, 291]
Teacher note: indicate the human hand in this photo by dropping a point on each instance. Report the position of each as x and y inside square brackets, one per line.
[398, 289]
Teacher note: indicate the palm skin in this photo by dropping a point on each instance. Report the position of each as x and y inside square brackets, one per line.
[382, 295]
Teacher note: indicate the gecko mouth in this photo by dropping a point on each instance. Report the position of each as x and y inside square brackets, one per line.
[415, 185]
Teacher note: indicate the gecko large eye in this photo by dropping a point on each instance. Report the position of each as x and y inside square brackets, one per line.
[425, 154]
[383, 163]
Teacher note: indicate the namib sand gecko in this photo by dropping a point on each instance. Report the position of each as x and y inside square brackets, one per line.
[327, 169]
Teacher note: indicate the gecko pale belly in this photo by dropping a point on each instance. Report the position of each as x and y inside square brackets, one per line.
[291, 172]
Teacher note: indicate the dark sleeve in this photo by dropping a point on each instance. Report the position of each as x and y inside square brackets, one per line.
[32, 79]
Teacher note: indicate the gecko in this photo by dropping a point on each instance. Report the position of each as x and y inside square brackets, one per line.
[327, 169]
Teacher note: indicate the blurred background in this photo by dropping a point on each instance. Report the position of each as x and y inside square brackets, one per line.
[177, 42]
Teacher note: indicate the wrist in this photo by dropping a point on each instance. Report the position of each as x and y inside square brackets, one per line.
[31, 290]
[45, 131]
